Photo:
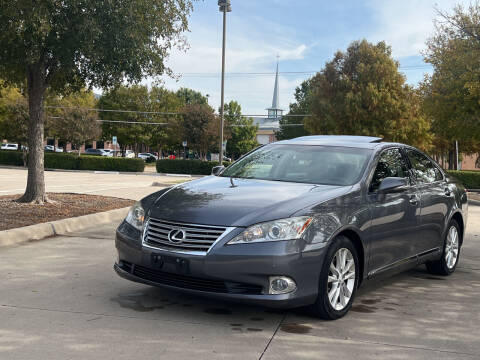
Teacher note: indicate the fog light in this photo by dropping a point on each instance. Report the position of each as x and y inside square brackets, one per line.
[281, 285]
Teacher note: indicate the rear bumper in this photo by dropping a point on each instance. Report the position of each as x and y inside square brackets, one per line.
[234, 272]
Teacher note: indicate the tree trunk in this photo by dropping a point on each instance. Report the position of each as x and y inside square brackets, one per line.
[36, 87]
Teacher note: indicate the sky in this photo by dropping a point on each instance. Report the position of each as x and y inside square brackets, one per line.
[303, 34]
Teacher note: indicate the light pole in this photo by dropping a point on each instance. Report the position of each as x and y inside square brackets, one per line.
[224, 7]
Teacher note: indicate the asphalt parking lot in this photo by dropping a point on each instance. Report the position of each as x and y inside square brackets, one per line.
[60, 299]
[131, 186]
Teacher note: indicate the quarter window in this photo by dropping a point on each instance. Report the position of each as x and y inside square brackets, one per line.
[424, 169]
[390, 164]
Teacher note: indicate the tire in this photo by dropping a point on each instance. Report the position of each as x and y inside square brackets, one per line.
[328, 286]
[446, 266]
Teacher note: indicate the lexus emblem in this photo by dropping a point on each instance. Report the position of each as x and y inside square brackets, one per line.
[176, 236]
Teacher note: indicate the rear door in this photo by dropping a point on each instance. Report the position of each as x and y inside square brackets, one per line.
[436, 199]
[393, 231]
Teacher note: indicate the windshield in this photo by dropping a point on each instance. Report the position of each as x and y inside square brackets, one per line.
[329, 165]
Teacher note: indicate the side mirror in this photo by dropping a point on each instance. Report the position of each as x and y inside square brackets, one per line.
[393, 184]
[217, 170]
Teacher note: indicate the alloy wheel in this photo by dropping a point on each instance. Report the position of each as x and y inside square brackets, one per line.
[341, 279]
[451, 247]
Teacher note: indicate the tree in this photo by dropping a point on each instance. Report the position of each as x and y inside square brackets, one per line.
[165, 136]
[73, 121]
[243, 133]
[198, 126]
[191, 97]
[13, 116]
[292, 125]
[63, 45]
[452, 92]
[361, 92]
[126, 124]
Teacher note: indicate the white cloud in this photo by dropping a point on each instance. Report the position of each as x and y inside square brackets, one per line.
[405, 25]
[243, 54]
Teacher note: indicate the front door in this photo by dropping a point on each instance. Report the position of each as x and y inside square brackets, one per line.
[436, 199]
[392, 234]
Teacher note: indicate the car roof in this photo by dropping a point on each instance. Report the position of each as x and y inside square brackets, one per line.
[366, 142]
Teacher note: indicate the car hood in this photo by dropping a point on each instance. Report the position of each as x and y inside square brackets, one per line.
[214, 201]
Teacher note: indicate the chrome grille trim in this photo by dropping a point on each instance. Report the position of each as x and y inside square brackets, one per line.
[199, 239]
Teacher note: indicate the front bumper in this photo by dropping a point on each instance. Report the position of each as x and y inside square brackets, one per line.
[233, 272]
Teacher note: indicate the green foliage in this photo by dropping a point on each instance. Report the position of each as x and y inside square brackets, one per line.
[101, 43]
[134, 98]
[109, 164]
[75, 162]
[361, 92]
[452, 92]
[73, 122]
[164, 136]
[243, 133]
[13, 115]
[11, 158]
[289, 128]
[64, 45]
[469, 179]
[198, 126]
[191, 97]
[192, 167]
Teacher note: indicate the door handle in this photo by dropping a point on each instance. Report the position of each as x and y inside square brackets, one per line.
[413, 199]
[447, 191]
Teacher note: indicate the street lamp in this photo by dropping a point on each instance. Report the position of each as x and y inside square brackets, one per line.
[224, 7]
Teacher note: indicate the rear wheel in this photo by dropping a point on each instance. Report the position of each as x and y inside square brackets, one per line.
[338, 280]
[451, 250]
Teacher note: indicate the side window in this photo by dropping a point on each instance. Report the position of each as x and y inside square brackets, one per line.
[424, 169]
[390, 164]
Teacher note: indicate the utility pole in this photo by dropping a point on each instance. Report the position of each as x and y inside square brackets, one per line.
[224, 7]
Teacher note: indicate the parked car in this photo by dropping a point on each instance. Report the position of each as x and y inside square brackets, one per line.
[8, 146]
[96, 152]
[108, 152]
[298, 222]
[53, 148]
[129, 154]
[147, 156]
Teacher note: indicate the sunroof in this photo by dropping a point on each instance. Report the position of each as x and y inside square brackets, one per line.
[340, 138]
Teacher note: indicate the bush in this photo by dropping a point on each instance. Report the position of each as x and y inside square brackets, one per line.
[192, 167]
[110, 164]
[469, 179]
[72, 161]
[12, 158]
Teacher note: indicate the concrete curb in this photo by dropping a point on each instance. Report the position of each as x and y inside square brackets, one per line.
[59, 227]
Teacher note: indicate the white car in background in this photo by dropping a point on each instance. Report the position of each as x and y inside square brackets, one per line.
[146, 156]
[53, 148]
[129, 154]
[108, 152]
[8, 146]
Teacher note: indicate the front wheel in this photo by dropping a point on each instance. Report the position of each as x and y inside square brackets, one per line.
[451, 251]
[338, 280]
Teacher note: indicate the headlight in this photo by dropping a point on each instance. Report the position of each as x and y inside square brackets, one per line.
[136, 216]
[283, 229]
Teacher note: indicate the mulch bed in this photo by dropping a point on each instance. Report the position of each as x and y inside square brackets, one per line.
[14, 214]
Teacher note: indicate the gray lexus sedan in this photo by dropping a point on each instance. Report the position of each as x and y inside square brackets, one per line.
[298, 222]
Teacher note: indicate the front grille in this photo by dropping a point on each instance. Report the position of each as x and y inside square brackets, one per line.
[190, 282]
[198, 238]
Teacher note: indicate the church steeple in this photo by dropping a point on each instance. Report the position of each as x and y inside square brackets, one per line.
[275, 110]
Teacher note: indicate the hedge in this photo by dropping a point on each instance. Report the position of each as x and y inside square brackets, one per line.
[70, 161]
[469, 179]
[192, 167]
[10, 157]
